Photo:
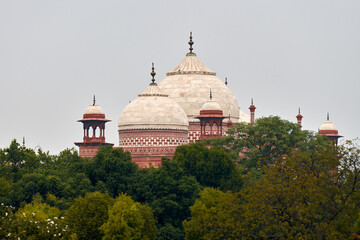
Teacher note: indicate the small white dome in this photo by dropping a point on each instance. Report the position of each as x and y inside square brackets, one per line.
[211, 105]
[153, 110]
[94, 109]
[328, 125]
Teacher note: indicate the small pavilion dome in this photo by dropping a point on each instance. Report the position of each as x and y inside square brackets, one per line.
[94, 112]
[94, 109]
[211, 105]
[328, 126]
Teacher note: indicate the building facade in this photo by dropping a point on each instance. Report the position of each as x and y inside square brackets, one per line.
[176, 111]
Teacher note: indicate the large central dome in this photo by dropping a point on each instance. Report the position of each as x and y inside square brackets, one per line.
[189, 84]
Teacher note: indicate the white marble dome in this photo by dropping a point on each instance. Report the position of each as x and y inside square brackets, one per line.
[328, 125]
[94, 109]
[153, 110]
[189, 84]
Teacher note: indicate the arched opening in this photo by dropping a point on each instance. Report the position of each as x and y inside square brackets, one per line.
[97, 131]
[215, 129]
[90, 132]
[207, 129]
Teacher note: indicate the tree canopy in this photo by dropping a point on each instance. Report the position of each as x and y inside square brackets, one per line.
[212, 167]
[263, 181]
[129, 220]
[216, 215]
[263, 142]
[312, 194]
[87, 214]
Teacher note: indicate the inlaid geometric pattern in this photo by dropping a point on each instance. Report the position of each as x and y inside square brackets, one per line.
[145, 138]
[194, 136]
[152, 141]
[151, 151]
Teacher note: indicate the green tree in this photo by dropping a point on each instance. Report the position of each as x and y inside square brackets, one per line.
[87, 214]
[14, 155]
[7, 221]
[5, 189]
[36, 221]
[169, 232]
[129, 220]
[65, 165]
[216, 215]
[305, 195]
[212, 167]
[19, 158]
[114, 168]
[263, 142]
[169, 191]
[24, 190]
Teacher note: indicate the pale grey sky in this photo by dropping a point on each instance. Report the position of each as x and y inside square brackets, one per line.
[54, 55]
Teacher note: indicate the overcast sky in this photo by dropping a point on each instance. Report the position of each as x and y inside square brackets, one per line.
[54, 55]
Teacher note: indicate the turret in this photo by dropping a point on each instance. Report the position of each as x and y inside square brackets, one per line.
[94, 131]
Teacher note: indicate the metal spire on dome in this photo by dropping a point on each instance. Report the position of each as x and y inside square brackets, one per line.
[327, 118]
[252, 101]
[210, 95]
[94, 100]
[153, 74]
[299, 110]
[23, 141]
[191, 43]
[226, 82]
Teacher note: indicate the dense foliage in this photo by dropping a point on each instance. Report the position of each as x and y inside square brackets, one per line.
[263, 181]
[212, 167]
[129, 220]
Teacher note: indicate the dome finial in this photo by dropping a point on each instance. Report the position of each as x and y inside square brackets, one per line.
[327, 118]
[226, 82]
[153, 73]
[23, 141]
[191, 43]
[94, 100]
[299, 110]
[210, 95]
[252, 101]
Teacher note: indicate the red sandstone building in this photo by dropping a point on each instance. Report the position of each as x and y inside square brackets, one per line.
[174, 112]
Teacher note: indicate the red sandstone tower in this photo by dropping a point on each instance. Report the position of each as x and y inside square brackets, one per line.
[211, 120]
[299, 118]
[252, 112]
[329, 129]
[94, 131]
